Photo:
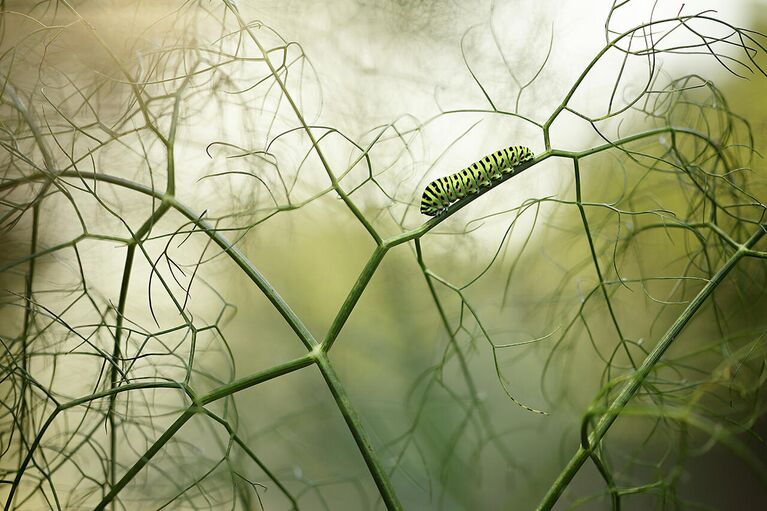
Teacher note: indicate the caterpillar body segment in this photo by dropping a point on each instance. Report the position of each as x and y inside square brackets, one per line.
[442, 192]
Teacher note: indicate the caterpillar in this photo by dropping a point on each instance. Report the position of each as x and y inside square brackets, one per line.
[446, 190]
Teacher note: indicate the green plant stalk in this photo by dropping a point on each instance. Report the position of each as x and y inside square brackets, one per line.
[353, 297]
[358, 432]
[635, 382]
[254, 379]
[251, 271]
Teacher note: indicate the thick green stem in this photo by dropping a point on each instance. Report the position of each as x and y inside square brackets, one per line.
[380, 477]
[353, 297]
[637, 379]
[255, 379]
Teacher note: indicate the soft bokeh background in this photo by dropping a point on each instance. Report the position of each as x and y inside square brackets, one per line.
[456, 445]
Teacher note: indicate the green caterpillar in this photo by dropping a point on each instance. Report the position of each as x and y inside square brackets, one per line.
[446, 190]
